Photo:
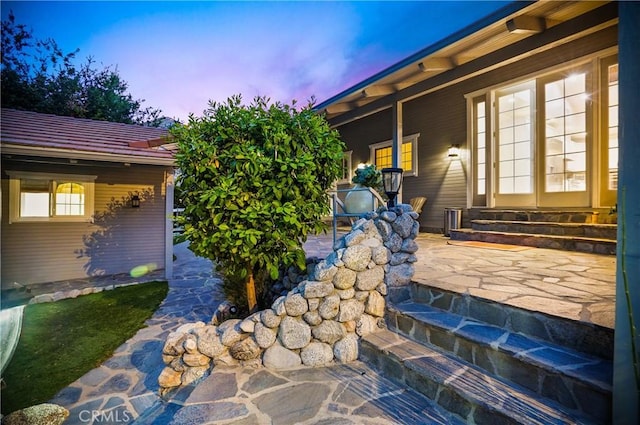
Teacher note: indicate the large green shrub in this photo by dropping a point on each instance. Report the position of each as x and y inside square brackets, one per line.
[254, 182]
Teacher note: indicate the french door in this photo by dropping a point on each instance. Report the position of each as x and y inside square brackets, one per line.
[514, 146]
[541, 143]
[564, 139]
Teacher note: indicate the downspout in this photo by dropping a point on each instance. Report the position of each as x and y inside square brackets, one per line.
[396, 147]
[626, 358]
[168, 228]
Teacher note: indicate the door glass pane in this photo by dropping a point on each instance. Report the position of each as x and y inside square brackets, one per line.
[481, 152]
[613, 127]
[565, 134]
[515, 142]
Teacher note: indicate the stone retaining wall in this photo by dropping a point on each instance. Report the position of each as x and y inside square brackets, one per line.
[320, 320]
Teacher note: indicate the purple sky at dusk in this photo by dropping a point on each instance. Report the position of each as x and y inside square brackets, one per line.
[179, 55]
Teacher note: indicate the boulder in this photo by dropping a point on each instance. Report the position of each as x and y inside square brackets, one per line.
[370, 278]
[246, 349]
[294, 333]
[357, 257]
[344, 278]
[277, 357]
[346, 350]
[208, 341]
[295, 305]
[269, 318]
[264, 336]
[316, 354]
[329, 307]
[375, 304]
[40, 414]
[350, 310]
[329, 331]
[312, 318]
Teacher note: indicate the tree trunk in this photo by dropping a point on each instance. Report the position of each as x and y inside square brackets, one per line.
[251, 293]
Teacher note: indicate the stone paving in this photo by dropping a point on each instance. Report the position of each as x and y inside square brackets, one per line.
[573, 285]
[125, 390]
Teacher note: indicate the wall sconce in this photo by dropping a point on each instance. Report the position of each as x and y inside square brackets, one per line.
[135, 201]
[454, 150]
[391, 182]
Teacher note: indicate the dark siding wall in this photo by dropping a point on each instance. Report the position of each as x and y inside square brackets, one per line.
[440, 178]
[358, 135]
[120, 238]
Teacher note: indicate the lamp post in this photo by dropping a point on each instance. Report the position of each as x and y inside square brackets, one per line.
[391, 182]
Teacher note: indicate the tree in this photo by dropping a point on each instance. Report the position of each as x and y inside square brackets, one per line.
[38, 76]
[254, 182]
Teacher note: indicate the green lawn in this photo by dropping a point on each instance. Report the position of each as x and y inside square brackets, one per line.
[63, 340]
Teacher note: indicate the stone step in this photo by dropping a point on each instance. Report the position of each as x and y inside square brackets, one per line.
[566, 243]
[458, 386]
[588, 230]
[575, 380]
[545, 215]
[583, 337]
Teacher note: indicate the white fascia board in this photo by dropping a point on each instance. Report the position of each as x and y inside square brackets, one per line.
[88, 156]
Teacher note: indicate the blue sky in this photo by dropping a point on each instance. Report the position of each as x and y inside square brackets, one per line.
[179, 55]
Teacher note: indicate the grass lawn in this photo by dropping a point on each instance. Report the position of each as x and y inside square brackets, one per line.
[63, 340]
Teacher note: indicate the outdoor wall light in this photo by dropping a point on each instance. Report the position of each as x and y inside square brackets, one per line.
[391, 182]
[454, 150]
[135, 201]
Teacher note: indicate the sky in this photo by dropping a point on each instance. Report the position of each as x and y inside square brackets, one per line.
[178, 56]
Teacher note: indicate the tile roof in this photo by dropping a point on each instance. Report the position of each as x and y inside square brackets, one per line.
[24, 132]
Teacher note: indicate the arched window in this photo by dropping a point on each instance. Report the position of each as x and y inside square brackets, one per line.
[69, 199]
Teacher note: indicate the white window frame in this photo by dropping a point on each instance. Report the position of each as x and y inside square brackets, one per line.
[413, 139]
[88, 182]
[346, 165]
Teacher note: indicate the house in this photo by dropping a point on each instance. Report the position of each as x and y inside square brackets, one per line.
[82, 198]
[526, 100]
[538, 105]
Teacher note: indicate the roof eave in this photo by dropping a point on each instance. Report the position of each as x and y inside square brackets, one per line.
[8, 149]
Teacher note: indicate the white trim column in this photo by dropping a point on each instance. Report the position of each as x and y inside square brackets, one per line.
[626, 360]
[168, 229]
[396, 144]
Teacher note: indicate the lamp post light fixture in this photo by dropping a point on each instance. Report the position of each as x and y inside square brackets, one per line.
[135, 201]
[391, 182]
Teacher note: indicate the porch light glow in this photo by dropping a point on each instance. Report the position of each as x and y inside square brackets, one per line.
[454, 150]
[391, 182]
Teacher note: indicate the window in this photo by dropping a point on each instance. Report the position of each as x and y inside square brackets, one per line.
[50, 197]
[612, 126]
[382, 155]
[346, 168]
[480, 143]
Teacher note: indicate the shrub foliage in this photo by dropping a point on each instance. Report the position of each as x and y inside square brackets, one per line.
[254, 181]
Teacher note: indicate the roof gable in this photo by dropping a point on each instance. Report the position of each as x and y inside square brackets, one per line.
[33, 133]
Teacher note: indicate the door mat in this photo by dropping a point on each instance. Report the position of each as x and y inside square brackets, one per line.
[489, 245]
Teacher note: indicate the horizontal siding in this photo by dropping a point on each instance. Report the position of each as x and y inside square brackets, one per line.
[440, 178]
[120, 238]
[440, 118]
[368, 130]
